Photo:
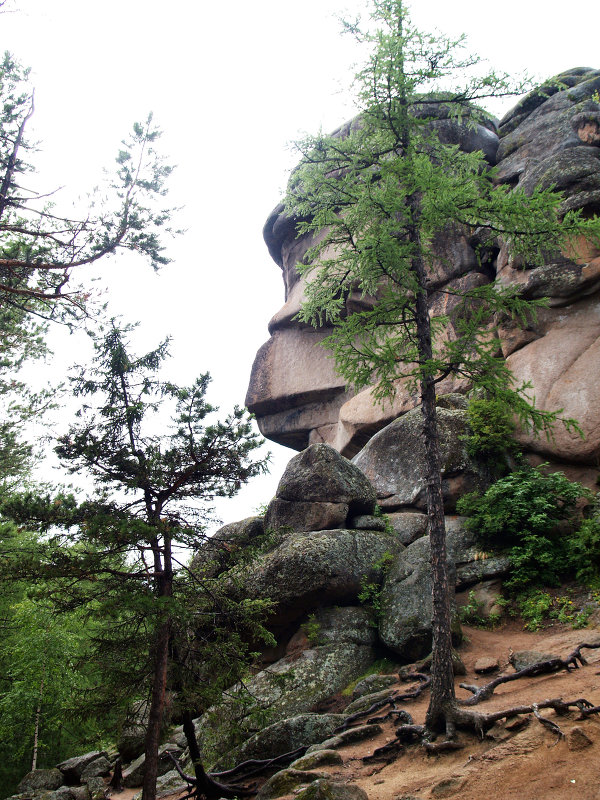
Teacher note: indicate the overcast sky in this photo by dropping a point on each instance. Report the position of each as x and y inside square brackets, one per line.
[230, 84]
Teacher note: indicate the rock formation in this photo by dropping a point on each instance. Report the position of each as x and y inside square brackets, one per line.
[552, 137]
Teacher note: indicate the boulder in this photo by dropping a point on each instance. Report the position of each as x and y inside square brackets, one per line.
[408, 525]
[73, 768]
[521, 659]
[373, 683]
[485, 665]
[284, 736]
[405, 605]
[394, 461]
[285, 781]
[367, 522]
[98, 768]
[41, 779]
[134, 774]
[310, 570]
[485, 595]
[304, 516]
[321, 474]
[167, 784]
[296, 683]
[362, 702]
[326, 789]
[96, 789]
[405, 602]
[217, 553]
[320, 758]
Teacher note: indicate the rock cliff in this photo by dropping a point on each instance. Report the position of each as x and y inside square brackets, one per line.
[552, 137]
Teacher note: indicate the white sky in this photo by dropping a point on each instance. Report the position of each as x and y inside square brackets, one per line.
[230, 84]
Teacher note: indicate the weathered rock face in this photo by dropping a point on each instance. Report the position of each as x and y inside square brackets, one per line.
[552, 137]
[394, 462]
[405, 604]
[312, 569]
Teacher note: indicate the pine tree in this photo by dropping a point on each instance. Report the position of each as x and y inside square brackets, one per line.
[152, 490]
[373, 197]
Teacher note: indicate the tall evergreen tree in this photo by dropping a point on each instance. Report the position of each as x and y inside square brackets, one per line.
[374, 197]
[152, 491]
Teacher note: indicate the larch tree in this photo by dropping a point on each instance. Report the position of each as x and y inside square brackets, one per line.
[373, 197]
[119, 553]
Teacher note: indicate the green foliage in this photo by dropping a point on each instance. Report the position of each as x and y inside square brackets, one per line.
[491, 438]
[526, 501]
[46, 670]
[39, 248]
[471, 614]
[377, 195]
[536, 606]
[584, 549]
[114, 556]
[312, 629]
[519, 514]
[370, 592]
[389, 528]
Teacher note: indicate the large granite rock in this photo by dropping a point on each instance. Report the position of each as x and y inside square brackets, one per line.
[405, 602]
[295, 392]
[41, 779]
[309, 570]
[72, 769]
[551, 137]
[340, 650]
[394, 461]
[217, 553]
[285, 736]
[319, 474]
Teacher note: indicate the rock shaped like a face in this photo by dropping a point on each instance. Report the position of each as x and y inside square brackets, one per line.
[294, 390]
[552, 137]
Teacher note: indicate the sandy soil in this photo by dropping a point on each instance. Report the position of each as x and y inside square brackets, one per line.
[528, 765]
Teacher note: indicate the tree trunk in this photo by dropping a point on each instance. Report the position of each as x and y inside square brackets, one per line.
[442, 676]
[36, 732]
[157, 706]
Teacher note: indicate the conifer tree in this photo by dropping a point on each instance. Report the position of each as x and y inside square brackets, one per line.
[152, 490]
[373, 197]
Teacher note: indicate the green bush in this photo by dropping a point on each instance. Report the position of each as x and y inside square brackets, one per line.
[519, 514]
[584, 551]
[491, 438]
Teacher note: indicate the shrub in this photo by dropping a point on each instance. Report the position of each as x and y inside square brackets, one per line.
[519, 514]
[491, 438]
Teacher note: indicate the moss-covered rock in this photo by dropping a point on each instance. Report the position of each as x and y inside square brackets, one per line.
[394, 461]
[283, 737]
[326, 789]
[319, 758]
[283, 782]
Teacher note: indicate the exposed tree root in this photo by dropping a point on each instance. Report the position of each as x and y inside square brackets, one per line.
[423, 682]
[551, 665]
[207, 787]
[256, 766]
[387, 752]
[459, 717]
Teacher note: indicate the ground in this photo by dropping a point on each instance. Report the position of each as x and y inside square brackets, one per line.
[528, 765]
